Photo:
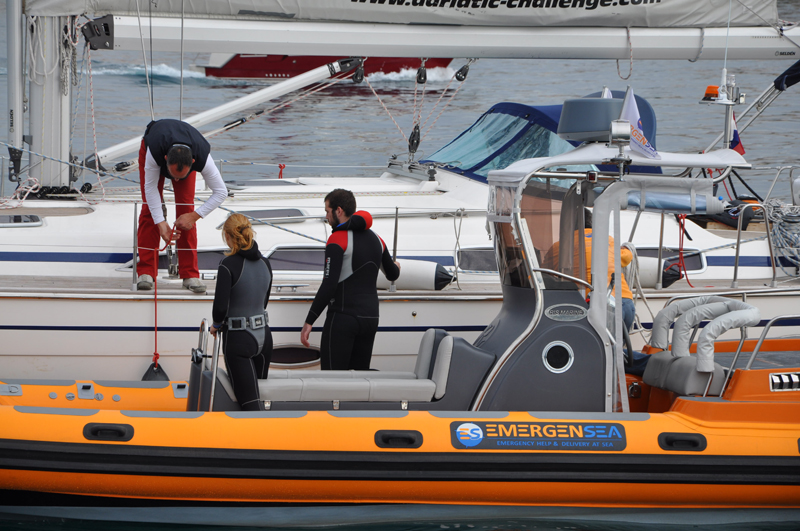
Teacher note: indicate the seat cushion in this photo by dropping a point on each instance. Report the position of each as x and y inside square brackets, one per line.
[280, 390]
[684, 378]
[372, 375]
[657, 369]
[398, 390]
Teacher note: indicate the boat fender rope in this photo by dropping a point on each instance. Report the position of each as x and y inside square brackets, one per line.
[681, 262]
[155, 298]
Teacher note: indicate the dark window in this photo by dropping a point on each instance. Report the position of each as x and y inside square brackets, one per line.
[20, 219]
[693, 262]
[297, 259]
[477, 260]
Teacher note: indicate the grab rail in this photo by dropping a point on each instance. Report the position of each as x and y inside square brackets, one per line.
[735, 283]
[764, 336]
[202, 341]
[214, 366]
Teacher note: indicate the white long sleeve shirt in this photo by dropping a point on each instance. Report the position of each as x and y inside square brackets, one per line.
[211, 176]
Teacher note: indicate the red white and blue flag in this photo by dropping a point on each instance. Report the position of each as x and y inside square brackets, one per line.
[736, 142]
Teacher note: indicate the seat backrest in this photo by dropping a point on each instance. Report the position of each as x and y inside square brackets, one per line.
[426, 357]
[441, 366]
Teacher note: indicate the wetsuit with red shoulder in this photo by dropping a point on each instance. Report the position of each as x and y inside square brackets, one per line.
[353, 256]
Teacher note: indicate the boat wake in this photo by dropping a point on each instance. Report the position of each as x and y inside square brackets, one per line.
[435, 75]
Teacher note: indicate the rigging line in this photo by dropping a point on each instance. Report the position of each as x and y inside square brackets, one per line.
[630, 47]
[313, 90]
[183, 14]
[727, 36]
[144, 57]
[449, 101]
[417, 115]
[438, 101]
[150, 32]
[94, 125]
[385, 109]
[702, 44]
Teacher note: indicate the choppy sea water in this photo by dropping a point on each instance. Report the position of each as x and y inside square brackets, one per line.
[344, 130]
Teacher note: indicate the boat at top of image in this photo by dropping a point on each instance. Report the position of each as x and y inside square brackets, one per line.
[545, 409]
[255, 66]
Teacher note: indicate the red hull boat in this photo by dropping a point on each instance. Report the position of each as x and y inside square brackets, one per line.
[284, 66]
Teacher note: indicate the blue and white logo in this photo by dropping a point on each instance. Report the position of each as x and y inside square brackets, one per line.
[469, 434]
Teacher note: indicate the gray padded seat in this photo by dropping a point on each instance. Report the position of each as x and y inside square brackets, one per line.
[363, 389]
[283, 374]
[427, 349]
[684, 378]
[680, 375]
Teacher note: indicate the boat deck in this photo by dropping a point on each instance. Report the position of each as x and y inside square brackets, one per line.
[172, 288]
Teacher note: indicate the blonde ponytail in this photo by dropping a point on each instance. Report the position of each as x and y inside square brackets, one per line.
[238, 233]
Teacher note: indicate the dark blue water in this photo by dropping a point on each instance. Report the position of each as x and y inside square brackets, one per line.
[343, 130]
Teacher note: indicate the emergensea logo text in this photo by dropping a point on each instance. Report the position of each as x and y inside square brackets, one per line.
[540, 436]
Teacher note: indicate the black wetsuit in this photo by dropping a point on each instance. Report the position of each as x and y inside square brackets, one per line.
[244, 281]
[353, 256]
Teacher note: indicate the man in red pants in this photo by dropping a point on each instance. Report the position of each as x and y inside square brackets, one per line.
[174, 150]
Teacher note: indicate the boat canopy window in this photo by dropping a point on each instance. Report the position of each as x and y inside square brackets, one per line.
[477, 260]
[297, 259]
[506, 133]
[20, 220]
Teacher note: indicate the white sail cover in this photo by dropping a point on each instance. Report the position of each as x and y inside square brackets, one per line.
[526, 13]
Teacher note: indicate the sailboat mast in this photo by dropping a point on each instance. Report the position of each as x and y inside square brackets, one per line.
[15, 78]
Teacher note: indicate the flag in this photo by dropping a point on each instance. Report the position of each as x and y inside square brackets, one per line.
[639, 143]
[736, 142]
[606, 93]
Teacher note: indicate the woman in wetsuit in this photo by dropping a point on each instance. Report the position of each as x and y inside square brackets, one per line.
[244, 281]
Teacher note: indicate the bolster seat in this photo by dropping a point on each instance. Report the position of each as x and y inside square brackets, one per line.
[358, 389]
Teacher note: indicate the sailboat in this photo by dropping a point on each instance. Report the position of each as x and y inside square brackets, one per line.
[36, 344]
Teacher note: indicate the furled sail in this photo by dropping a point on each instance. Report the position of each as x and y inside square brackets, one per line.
[526, 13]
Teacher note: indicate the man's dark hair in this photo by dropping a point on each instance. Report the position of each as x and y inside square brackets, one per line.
[342, 198]
[180, 155]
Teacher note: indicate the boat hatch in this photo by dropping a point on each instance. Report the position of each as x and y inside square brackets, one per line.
[17, 220]
[277, 215]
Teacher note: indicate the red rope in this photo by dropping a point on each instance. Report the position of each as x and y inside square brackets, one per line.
[280, 173]
[681, 263]
[155, 298]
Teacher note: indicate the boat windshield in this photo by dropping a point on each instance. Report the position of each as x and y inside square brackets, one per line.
[508, 132]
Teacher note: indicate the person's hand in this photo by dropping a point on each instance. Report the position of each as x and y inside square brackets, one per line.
[398, 265]
[304, 333]
[165, 231]
[187, 221]
[214, 329]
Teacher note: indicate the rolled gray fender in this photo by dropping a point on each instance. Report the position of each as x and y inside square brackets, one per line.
[747, 316]
[682, 332]
[664, 318]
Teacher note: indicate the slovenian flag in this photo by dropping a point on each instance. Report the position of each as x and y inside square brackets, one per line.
[736, 142]
[639, 143]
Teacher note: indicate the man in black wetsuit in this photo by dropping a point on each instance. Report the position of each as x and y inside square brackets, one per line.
[353, 256]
